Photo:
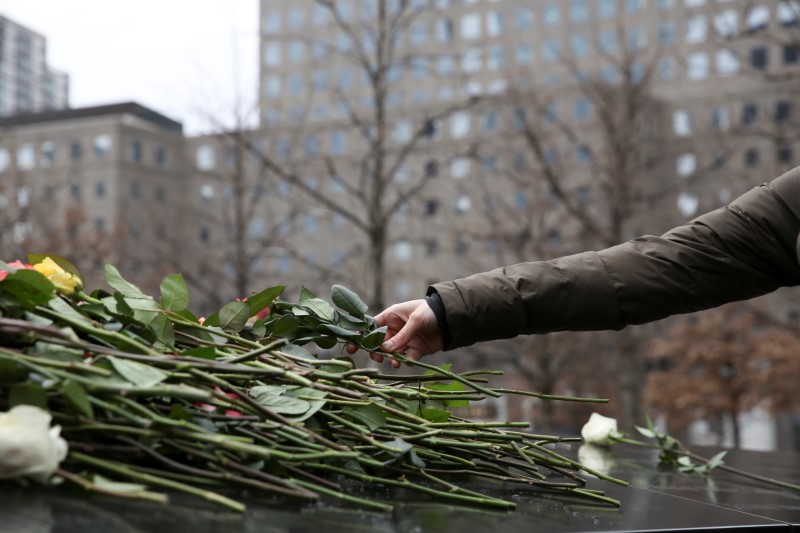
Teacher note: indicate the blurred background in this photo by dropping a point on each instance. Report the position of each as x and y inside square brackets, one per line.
[389, 144]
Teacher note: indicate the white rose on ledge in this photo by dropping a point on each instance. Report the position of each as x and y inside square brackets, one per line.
[599, 430]
[28, 445]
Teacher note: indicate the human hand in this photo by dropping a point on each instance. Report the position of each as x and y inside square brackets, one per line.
[412, 329]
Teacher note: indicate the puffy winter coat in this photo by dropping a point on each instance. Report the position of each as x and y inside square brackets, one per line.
[740, 251]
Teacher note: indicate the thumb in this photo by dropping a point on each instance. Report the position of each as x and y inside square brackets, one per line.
[401, 338]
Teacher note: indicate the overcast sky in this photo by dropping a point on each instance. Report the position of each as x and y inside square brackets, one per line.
[184, 58]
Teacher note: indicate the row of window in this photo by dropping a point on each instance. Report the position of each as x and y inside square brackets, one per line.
[719, 118]
[686, 165]
[28, 156]
[551, 14]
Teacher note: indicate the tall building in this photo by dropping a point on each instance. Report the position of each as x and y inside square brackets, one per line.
[707, 87]
[27, 83]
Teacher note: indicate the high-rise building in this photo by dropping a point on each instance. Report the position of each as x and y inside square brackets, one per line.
[645, 111]
[27, 83]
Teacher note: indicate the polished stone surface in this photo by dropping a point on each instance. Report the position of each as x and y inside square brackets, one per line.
[655, 501]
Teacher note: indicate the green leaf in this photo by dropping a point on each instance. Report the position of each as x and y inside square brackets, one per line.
[646, 432]
[348, 301]
[371, 415]
[286, 326]
[212, 320]
[341, 332]
[203, 352]
[717, 460]
[11, 372]
[163, 329]
[76, 395]
[446, 367]
[259, 329]
[28, 393]
[296, 351]
[29, 288]
[178, 412]
[374, 339]
[139, 374]
[326, 343]
[321, 308]
[63, 262]
[435, 415]
[314, 397]
[285, 404]
[234, 315]
[115, 280]
[306, 294]
[174, 293]
[67, 311]
[57, 352]
[263, 299]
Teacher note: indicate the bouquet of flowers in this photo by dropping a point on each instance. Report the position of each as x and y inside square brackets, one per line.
[124, 394]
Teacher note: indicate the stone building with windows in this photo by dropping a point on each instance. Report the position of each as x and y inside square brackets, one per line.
[95, 183]
[27, 83]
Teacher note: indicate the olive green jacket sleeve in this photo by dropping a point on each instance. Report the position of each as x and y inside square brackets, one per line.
[740, 251]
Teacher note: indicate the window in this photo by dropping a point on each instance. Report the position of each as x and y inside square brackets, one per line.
[5, 161]
[459, 167]
[204, 157]
[431, 168]
[25, 156]
[696, 29]
[418, 33]
[550, 15]
[445, 65]
[102, 146]
[160, 194]
[403, 250]
[297, 51]
[462, 245]
[788, 12]
[431, 247]
[496, 59]
[311, 145]
[524, 54]
[495, 23]
[757, 18]
[524, 18]
[100, 189]
[726, 23]
[444, 30]
[583, 109]
[521, 200]
[790, 54]
[204, 234]
[462, 204]
[310, 224]
[579, 45]
[686, 165]
[459, 124]
[296, 18]
[783, 110]
[697, 66]
[687, 204]
[48, 154]
[490, 121]
[784, 154]
[272, 54]
[667, 68]
[682, 122]
[751, 157]
[635, 6]
[720, 118]
[759, 57]
[272, 23]
[749, 113]
[471, 60]
[471, 26]
[727, 62]
[518, 119]
[551, 50]
[272, 86]
[135, 150]
[579, 11]
[75, 190]
[665, 4]
[431, 207]
[161, 155]
[206, 192]
[666, 33]
[607, 41]
[636, 39]
[606, 9]
[338, 142]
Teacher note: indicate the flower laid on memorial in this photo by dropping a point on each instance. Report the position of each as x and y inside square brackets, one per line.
[124, 394]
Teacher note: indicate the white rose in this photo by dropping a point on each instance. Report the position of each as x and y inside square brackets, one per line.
[28, 445]
[599, 430]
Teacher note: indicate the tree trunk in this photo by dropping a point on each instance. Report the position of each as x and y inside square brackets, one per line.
[629, 380]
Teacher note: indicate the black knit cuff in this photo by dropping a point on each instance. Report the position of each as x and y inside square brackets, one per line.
[437, 305]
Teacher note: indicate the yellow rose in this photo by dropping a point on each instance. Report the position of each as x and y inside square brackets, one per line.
[63, 280]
